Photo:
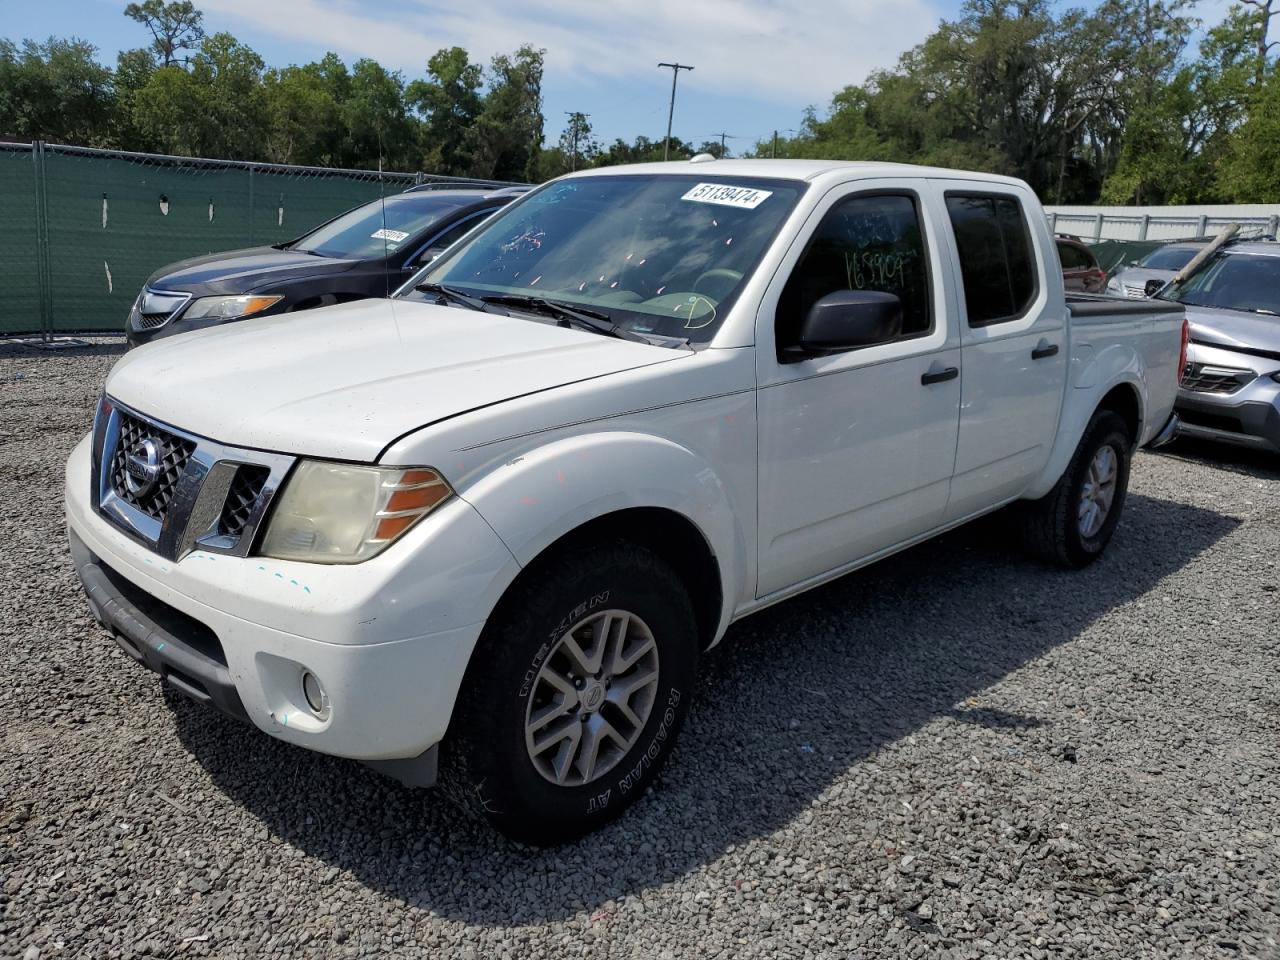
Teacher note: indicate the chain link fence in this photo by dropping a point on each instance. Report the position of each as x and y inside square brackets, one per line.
[82, 229]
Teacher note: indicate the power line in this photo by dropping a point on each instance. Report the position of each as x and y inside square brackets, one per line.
[671, 110]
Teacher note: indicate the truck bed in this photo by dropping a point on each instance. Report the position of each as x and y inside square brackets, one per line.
[1090, 305]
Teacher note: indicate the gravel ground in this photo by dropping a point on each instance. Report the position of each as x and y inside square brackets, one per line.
[955, 753]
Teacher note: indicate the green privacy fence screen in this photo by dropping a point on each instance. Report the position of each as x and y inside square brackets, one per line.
[81, 229]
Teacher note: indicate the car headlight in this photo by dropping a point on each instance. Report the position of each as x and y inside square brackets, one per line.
[1113, 285]
[228, 308]
[343, 513]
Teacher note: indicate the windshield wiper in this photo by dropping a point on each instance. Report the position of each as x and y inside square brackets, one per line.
[566, 315]
[450, 295]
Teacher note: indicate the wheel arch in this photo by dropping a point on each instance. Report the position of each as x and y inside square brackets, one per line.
[624, 485]
[1122, 394]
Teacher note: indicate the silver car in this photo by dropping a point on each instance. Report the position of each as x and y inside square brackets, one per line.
[1231, 386]
[1160, 264]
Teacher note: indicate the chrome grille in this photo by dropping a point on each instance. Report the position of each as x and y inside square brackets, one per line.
[1205, 378]
[173, 454]
[176, 492]
[1138, 292]
[242, 497]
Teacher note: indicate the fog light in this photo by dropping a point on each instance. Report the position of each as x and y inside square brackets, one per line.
[316, 698]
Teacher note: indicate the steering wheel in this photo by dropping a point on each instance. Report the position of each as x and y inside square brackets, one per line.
[728, 277]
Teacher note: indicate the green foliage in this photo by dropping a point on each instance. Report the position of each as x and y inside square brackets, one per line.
[1250, 172]
[54, 90]
[175, 27]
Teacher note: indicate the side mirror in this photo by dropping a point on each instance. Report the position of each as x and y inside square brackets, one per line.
[847, 319]
[1152, 288]
[428, 255]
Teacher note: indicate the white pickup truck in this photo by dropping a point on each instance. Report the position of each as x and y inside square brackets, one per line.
[495, 519]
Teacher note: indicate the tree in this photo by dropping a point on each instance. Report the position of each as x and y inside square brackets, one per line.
[576, 142]
[55, 90]
[1174, 144]
[450, 101]
[505, 141]
[1264, 12]
[175, 27]
[301, 115]
[377, 119]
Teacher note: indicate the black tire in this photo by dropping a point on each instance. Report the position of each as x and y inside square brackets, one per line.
[486, 765]
[1050, 527]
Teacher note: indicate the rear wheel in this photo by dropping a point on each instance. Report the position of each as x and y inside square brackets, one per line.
[1072, 524]
[574, 694]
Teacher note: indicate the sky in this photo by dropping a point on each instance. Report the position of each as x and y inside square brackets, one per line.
[757, 63]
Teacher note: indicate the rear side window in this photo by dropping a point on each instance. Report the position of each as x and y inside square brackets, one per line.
[1072, 257]
[867, 242]
[995, 257]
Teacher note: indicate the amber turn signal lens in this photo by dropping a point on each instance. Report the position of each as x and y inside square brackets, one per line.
[418, 498]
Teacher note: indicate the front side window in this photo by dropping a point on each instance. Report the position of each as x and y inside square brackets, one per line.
[869, 242]
[996, 261]
[662, 255]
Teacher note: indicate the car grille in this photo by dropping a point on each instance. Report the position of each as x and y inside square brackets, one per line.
[242, 497]
[1205, 378]
[156, 309]
[172, 451]
[178, 493]
[1135, 291]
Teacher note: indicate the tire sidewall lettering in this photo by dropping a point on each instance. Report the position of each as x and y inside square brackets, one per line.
[556, 632]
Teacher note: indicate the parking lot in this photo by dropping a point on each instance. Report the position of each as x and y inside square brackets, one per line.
[953, 753]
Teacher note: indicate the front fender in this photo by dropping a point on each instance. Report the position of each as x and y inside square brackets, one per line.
[1095, 375]
[537, 498]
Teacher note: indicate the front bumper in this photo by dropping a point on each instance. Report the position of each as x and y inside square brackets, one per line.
[1248, 417]
[238, 632]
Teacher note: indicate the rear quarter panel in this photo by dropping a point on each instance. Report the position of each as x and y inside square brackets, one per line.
[1115, 342]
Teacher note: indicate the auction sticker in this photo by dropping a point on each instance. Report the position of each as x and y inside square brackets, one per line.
[748, 198]
[395, 236]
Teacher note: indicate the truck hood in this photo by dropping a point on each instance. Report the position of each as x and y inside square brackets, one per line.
[343, 382]
[1235, 329]
[241, 271]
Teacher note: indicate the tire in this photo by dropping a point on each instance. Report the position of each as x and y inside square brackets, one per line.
[1054, 527]
[491, 763]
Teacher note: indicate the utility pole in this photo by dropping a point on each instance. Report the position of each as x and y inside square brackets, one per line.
[774, 155]
[574, 117]
[675, 72]
[722, 138]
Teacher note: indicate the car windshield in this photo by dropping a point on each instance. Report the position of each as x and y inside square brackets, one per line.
[372, 231]
[1169, 258]
[661, 255]
[1233, 281]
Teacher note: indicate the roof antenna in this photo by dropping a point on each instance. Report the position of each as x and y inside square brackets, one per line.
[382, 201]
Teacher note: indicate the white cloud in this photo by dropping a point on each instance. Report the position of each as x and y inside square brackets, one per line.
[781, 53]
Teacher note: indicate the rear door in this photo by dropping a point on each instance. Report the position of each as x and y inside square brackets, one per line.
[1013, 330]
[856, 447]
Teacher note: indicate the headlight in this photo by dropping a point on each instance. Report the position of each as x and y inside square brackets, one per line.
[1113, 285]
[340, 513]
[228, 308]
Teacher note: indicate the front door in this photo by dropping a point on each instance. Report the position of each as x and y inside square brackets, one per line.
[856, 448]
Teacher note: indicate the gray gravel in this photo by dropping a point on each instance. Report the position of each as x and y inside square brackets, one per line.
[955, 753]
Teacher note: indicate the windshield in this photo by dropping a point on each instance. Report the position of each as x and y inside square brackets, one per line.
[660, 255]
[362, 233]
[1169, 258]
[1233, 281]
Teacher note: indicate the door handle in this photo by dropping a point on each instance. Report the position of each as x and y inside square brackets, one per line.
[939, 376]
[1043, 350]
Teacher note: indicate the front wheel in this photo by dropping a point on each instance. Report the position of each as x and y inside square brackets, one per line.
[574, 694]
[1072, 524]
